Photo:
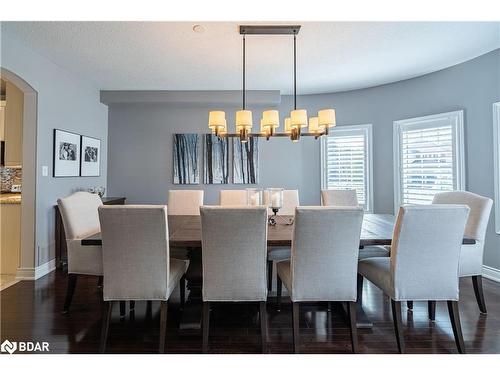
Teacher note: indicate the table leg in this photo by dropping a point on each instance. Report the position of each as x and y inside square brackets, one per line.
[192, 312]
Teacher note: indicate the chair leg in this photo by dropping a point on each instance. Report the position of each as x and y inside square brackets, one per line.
[360, 289]
[206, 325]
[409, 305]
[70, 291]
[279, 288]
[295, 319]
[106, 318]
[431, 307]
[263, 325]
[351, 312]
[182, 287]
[163, 325]
[455, 324]
[477, 282]
[132, 305]
[122, 309]
[100, 281]
[269, 275]
[398, 326]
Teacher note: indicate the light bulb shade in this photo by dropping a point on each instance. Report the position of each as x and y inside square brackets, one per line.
[326, 118]
[298, 118]
[263, 128]
[216, 118]
[288, 125]
[243, 120]
[314, 125]
[271, 118]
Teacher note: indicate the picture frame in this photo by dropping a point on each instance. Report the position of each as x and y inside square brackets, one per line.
[66, 154]
[90, 159]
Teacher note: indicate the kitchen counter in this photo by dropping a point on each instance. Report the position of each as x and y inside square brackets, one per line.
[10, 198]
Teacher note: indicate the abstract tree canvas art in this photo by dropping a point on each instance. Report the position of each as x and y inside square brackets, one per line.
[216, 161]
[246, 161]
[185, 159]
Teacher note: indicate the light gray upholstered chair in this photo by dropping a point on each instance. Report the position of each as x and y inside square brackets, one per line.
[423, 265]
[234, 241]
[80, 219]
[339, 198]
[136, 260]
[277, 254]
[233, 197]
[471, 256]
[185, 202]
[324, 261]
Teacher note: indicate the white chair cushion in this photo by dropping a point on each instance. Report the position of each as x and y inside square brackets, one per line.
[378, 271]
[177, 269]
[374, 252]
[285, 273]
[277, 254]
[84, 260]
[471, 260]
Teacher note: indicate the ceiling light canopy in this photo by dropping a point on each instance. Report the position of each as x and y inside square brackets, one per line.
[269, 123]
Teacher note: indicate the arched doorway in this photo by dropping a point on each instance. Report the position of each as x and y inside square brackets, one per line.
[26, 268]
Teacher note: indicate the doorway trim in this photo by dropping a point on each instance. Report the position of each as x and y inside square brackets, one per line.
[26, 267]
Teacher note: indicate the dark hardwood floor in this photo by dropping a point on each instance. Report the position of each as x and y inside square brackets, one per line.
[32, 311]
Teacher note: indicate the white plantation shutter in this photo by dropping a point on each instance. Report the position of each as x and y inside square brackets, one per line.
[430, 157]
[346, 161]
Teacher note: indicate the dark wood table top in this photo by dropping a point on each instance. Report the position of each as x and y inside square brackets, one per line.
[185, 231]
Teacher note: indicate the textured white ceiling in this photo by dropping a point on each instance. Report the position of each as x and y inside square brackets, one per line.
[332, 56]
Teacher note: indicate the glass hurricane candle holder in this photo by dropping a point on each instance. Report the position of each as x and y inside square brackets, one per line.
[254, 197]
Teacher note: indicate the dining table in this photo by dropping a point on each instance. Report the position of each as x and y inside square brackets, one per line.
[185, 232]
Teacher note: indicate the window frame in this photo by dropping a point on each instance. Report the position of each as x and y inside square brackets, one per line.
[424, 122]
[367, 131]
[496, 162]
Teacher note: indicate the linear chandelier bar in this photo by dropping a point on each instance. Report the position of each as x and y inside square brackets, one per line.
[269, 29]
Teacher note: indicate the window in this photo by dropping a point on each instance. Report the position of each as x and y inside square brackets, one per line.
[346, 158]
[429, 157]
[496, 147]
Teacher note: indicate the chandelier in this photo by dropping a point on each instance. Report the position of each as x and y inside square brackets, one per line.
[269, 124]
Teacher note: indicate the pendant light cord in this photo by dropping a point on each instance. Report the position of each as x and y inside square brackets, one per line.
[294, 71]
[244, 71]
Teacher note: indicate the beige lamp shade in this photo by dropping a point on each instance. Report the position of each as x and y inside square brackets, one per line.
[216, 118]
[326, 117]
[263, 129]
[298, 118]
[288, 125]
[243, 120]
[314, 125]
[271, 118]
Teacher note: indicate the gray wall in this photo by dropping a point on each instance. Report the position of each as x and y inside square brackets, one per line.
[65, 101]
[140, 137]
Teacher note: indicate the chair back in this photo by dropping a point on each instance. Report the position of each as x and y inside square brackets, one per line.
[479, 215]
[425, 251]
[339, 198]
[233, 198]
[79, 214]
[185, 202]
[135, 252]
[234, 241]
[325, 248]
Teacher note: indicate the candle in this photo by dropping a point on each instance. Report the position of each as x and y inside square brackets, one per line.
[275, 200]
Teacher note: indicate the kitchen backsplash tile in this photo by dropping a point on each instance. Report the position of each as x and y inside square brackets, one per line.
[9, 177]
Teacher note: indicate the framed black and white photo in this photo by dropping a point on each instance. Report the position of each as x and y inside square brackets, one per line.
[66, 154]
[185, 159]
[91, 157]
[246, 161]
[216, 160]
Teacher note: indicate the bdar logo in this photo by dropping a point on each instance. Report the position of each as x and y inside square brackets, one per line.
[8, 347]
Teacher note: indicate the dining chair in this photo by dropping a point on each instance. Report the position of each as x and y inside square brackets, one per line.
[234, 241]
[80, 219]
[233, 197]
[277, 254]
[471, 256]
[136, 261]
[185, 202]
[324, 261]
[424, 262]
[339, 198]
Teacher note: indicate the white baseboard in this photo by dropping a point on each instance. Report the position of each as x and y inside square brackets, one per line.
[491, 273]
[37, 272]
